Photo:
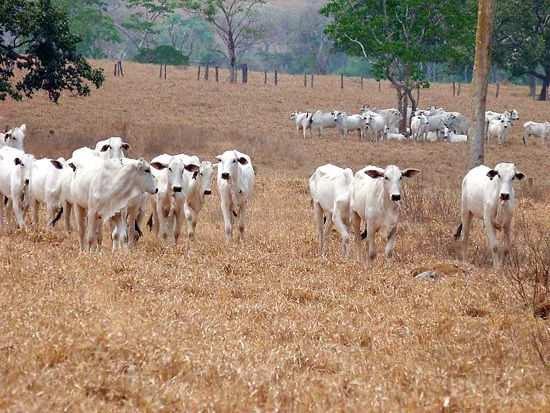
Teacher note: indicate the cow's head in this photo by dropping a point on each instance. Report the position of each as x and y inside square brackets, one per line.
[391, 177]
[230, 164]
[113, 148]
[503, 175]
[146, 181]
[15, 137]
[206, 174]
[336, 114]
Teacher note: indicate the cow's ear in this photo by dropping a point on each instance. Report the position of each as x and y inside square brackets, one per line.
[519, 176]
[105, 148]
[243, 160]
[18, 161]
[374, 173]
[410, 172]
[125, 146]
[159, 165]
[219, 158]
[23, 128]
[491, 174]
[56, 164]
[192, 168]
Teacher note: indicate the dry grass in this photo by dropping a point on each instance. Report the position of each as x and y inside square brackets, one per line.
[269, 325]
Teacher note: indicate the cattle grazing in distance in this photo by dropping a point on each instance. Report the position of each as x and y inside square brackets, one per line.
[235, 181]
[488, 194]
[498, 129]
[375, 201]
[540, 130]
[330, 187]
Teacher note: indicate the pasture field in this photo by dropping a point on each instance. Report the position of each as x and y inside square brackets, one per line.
[268, 325]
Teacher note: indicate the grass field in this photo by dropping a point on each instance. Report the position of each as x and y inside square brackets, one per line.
[269, 325]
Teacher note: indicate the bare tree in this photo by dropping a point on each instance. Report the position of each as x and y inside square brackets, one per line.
[235, 22]
[482, 66]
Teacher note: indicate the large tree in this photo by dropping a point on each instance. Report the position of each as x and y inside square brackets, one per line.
[235, 22]
[400, 36]
[522, 39]
[39, 52]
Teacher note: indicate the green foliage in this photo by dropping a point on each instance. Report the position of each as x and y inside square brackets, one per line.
[147, 16]
[522, 37]
[399, 36]
[35, 37]
[164, 54]
[89, 21]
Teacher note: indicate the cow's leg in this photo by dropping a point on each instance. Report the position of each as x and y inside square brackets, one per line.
[18, 211]
[507, 230]
[81, 225]
[3, 202]
[191, 218]
[35, 211]
[342, 229]
[371, 233]
[154, 217]
[179, 217]
[326, 233]
[115, 226]
[227, 220]
[92, 236]
[466, 225]
[318, 222]
[392, 237]
[242, 221]
[490, 231]
[356, 229]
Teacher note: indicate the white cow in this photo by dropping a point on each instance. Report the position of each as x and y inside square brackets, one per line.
[15, 173]
[14, 138]
[391, 117]
[322, 120]
[45, 188]
[376, 125]
[102, 190]
[540, 130]
[455, 137]
[419, 127]
[375, 199]
[112, 148]
[437, 123]
[174, 175]
[330, 188]
[394, 136]
[194, 201]
[458, 123]
[67, 174]
[488, 194]
[301, 120]
[346, 123]
[499, 129]
[235, 181]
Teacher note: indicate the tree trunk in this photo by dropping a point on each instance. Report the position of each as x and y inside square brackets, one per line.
[544, 91]
[414, 104]
[482, 65]
[532, 86]
[232, 58]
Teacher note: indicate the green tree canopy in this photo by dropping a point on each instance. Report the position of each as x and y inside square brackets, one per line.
[165, 54]
[399, 36]
[35, 39]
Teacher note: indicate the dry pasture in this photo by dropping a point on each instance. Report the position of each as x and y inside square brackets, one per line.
[269, 325]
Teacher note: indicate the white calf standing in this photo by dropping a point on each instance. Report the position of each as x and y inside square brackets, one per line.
[375, 197]
[15, 173]
[540, 130]
[419, 127]
[14, 138]
[45, 188]
[499, 129]
[347, 123]
[200, 187]
[488, 194]
[235, 184]
[301, 120]
[321, 121]
[330, 187]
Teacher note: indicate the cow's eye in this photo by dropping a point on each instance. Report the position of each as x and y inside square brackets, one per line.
[386, 178]
[170, 169]
[147, 171]
[234, 161]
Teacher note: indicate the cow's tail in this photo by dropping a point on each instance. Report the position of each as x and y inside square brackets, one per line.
[458, 232]
[57, 217]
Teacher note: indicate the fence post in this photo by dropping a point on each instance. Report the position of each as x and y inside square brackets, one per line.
[459, 87]
[245, 73]
[276, 78]
[217, 74]
[341, 80]
[116, 69]
[165, 66]
[312, 80]
[265, 78]
[206, 71]
[498, 90]
[454, 88]
[305, 79]
[160, 71]
[362, 85]
[417, 95]
[120, 69]
[199, 73]
[379, 86]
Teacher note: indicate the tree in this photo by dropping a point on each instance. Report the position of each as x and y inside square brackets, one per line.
[89, 20]
[164, 55]
[235, 22]
[35, 39]
[400, 36]
[482, 66]
[522, 39]
[144, 22]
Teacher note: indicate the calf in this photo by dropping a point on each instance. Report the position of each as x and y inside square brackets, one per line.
[321, 121]
[376, 125]
[200, 187]
[540, 130]
[102, 190]
[45, 188]
[488, 194]
[330, 187]
[14, 138]
[301, 120]
[347, 123]
[235, 181]
[419, 127]
[15, 173]
[499, 129]
[375, 200]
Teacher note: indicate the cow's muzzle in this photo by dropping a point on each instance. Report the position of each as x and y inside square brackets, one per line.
[177, 189]
[208, 192]
[225, 175]
[504, 197]
[396, 197]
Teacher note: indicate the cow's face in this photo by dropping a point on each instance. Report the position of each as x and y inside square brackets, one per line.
[391, 177]
[146, 180]
[504, 174]
[229, 165]
[206, 174]
[335, 115]
[114, 148]
[15, 137]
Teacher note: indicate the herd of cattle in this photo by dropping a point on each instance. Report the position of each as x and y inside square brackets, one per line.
[102, 185]
[431, 124]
